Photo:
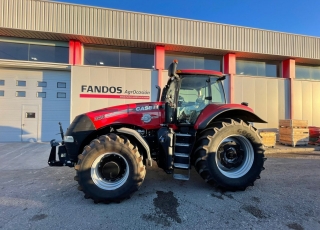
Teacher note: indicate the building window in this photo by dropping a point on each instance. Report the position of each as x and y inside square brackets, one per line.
[54, 54]
[194, 61]
[20, 93]
[42, 84]
[257, 68]
[41, 94]
[308, 72]
[21, 83]
[61, 95]
[61, 85]
[32, 52]
[118, 57]
[1, 93]
[14, 51]
[1, 82]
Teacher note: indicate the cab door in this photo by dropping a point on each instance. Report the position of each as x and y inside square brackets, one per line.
[171, 102]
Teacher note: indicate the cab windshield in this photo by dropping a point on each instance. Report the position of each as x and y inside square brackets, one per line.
[195, 93]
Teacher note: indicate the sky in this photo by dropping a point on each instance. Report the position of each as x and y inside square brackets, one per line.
[291, 16]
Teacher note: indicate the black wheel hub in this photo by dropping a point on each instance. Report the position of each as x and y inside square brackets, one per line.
[230, 155]
[112, 167]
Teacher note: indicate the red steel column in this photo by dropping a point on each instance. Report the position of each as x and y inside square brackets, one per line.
[229, 67]
[289, 71]
[71, 52]
[159, 62]
[75, 52]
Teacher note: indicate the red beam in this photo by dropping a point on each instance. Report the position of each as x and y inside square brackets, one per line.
[229, 67]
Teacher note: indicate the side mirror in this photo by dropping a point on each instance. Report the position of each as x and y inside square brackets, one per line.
[173, 69]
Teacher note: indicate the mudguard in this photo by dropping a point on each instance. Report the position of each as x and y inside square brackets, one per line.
[219, 111]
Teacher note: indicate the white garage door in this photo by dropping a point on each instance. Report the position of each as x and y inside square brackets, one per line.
[32, 102]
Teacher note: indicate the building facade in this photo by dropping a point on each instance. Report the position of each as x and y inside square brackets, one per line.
[58, 60]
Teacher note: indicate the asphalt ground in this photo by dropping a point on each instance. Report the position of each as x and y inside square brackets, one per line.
[35, 196]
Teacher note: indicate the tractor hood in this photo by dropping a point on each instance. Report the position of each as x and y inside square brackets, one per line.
[146, 115]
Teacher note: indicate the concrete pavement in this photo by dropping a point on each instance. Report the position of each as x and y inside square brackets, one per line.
[35, 196]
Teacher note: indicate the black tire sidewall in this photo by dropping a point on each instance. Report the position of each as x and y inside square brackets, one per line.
[255, 170]
[85, 172]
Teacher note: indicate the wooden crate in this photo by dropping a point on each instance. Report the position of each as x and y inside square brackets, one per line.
[268, 138]
[293, 131]
[293, 123]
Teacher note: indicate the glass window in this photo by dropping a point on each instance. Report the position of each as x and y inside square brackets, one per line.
[1, 82]
[21, 83]
[42, 84]
[13, 51]
[307, 72]
[55, 54]
[1, 93]
[61, 95]
[61, 85]
[143, 59]
[20, 93]
[257, 68]
[41, 94]
[132, 58]
[31, 52]
[192, 61]
[194, 96]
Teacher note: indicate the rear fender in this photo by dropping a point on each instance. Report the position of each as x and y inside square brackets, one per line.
[228, 113]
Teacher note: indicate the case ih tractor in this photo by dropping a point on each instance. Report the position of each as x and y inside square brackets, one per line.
[190, 124]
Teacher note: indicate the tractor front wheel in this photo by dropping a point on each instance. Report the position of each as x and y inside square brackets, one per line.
[230, 155]
[110, 169]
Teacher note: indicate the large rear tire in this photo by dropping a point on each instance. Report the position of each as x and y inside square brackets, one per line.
[110, 169]
[230, 155]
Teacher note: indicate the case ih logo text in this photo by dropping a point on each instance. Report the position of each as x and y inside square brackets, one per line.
[145, 108]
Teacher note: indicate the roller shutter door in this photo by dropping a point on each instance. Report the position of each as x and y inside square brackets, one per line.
[32, 102]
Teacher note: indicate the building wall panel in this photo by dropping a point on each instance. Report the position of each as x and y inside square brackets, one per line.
[306, 102]
[265, 96]
[128, 79]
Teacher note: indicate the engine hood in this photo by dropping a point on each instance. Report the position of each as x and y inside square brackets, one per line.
[146, 115]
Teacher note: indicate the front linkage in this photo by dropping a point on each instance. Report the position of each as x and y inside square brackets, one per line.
[62, 152]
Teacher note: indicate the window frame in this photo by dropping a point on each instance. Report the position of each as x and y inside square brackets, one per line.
[194, 55]
[17, 93]
[310, 67]
[46, 84]
[45, 94]
[25, 55]
[266, 61]
[65, 85]
[65, 94]
[17, 83]
[120, 51]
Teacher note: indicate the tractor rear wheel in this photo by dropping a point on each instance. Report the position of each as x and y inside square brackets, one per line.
[229, 154]
[110, 169]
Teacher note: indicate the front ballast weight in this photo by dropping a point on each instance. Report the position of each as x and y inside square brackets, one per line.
[62, 153]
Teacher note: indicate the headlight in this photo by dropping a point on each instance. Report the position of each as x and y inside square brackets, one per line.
[68, 139]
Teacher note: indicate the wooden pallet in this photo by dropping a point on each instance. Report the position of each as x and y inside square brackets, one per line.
[294, 143]
[293, 123]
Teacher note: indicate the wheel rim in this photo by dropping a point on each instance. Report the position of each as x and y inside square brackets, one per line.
[110, 171]
[234, 156]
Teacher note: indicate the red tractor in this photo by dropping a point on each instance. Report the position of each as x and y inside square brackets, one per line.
[190, 124]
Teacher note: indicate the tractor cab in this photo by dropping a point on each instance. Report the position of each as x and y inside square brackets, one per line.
[188, 92]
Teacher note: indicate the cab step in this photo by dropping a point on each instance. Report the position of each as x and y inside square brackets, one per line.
[181, 176]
